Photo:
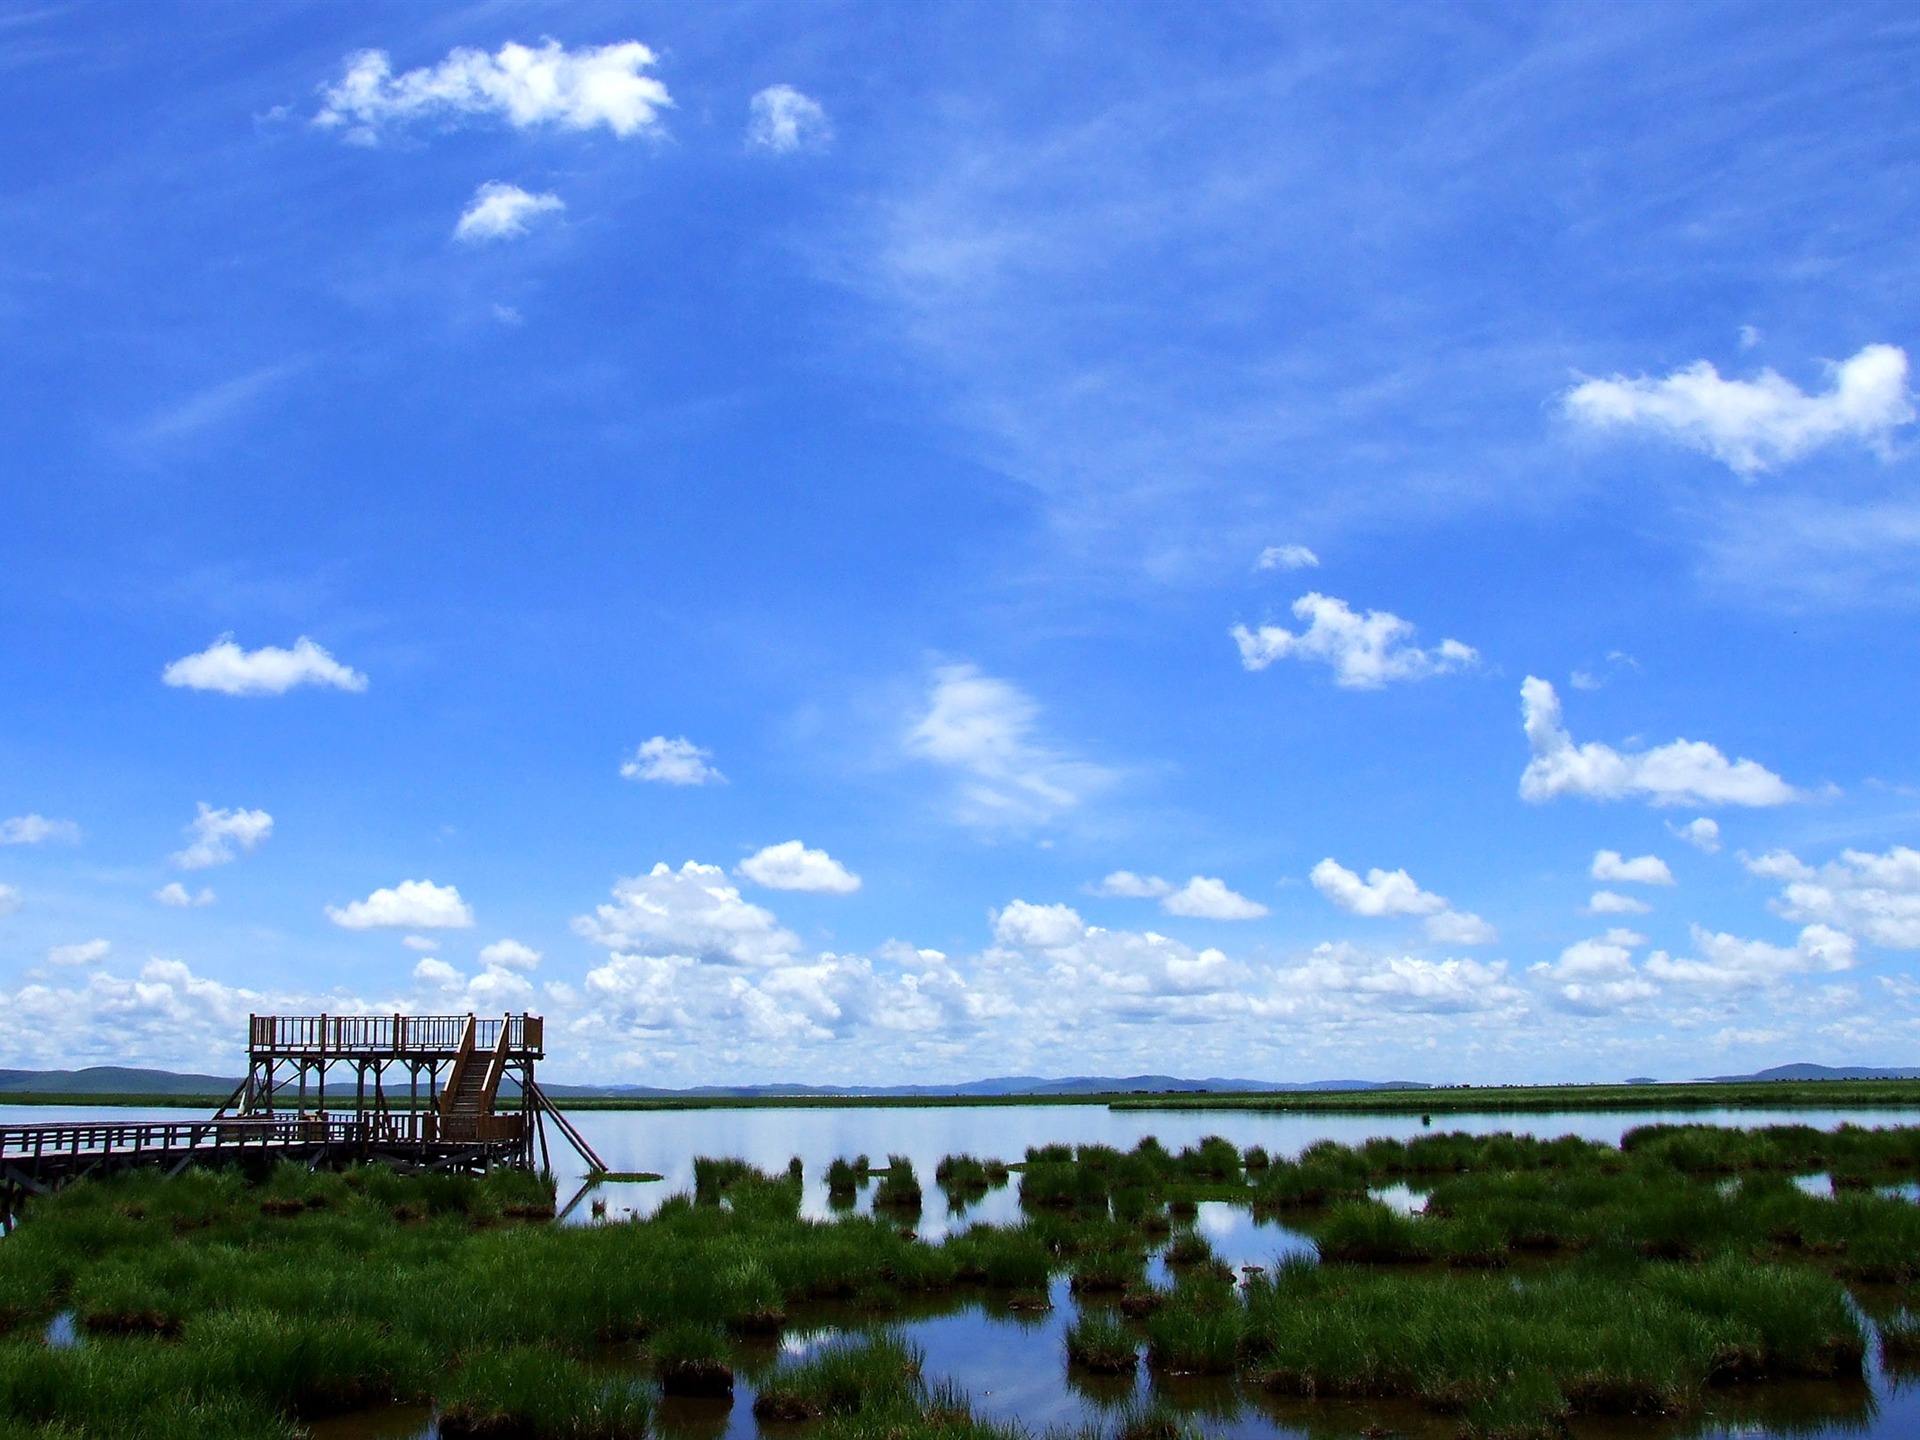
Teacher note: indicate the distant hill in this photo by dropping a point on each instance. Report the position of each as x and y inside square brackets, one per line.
[112, 1080]
[1804, 1071]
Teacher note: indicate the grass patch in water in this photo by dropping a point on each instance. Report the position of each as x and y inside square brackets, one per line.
[531, 1393]
[843, 1377]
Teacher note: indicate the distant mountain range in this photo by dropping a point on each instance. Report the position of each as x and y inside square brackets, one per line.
[124, 1080]
[113, 1080]
[1820, 1072]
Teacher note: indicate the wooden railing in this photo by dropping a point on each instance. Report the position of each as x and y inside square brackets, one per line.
[391, 1035]
[119, 1138]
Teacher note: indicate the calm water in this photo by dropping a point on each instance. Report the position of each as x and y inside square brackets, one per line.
[1014, 1365]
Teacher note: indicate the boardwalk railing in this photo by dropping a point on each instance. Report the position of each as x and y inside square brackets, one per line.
[119, 1139]
[390, 1036]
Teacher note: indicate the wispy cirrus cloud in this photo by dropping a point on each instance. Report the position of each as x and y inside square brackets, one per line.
[987, 731]
[1759, 424]
[499, 211]
[38, 830]
[783, 120]
[527, 87]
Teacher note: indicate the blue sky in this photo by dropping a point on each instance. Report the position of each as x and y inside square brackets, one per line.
[1057, 515]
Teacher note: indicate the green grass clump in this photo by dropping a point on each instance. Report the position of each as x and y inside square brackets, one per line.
[1102, 1344]
[1005, 1257]
[967, 1179]
[899, 1187]
[531, 1392]
[844, 1377]
[1367, 1232]
[691, 1359]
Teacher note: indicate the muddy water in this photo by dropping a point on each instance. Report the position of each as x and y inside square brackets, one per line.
[1014, 1365]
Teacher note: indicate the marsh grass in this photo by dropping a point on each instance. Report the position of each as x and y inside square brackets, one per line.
[899, 1187]
[691, 1359]
[1100, 1343]
[531, 1393]
[844, 1377]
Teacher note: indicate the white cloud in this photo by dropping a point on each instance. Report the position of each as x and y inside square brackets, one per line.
[1643, 870]
[1874, 896]
[572, 89]
[175, 894]
[437, 973]
[1037, 927]
[37, 829]
[410, 905]
[1702, 834]
[1346, 982]
[1754, 425]
[1598, 974]
[1727, 962]
[87, 952]
[9, 900]
[499, 211]
[216, 832]
[783, 120]
[1286, 557]
[1202, 898]
[1126, 885]
[510, 955]
[1365, 652]
[423, 944]
[225, 667]
[1383, 892]
[984, 728]
[1683, 772]
[791, 866]
[692, 912]
[1609, 902]
[672, 762]
[1459, 927]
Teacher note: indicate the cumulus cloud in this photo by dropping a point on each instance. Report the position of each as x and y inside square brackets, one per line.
[510, 955]
[499, 211]
[783, 120]
[1611, 902]
[1394, 893]
[1126, 885]
[9, 900]
[1404, 983]
[1703, 834]
[1286, 557]
[423, 944]
[984, 728]
[1383, 892]
[217, 833]
[1365, 652]
[791, 866]
[410, 905]
[225, 667]
[672, 762]
[87, 952]
[1874, 896]
[1755, 425]
[1643, 870]
[1202, 898]
[693, 912]
[1679, 773]
[569, 89]
[175, 894]
[1727, 962]
[1037, 926]
[1459, 927]
[37, 830]
[1598, 974]
[437, 973]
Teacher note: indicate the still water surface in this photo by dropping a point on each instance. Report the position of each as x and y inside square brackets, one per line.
[1014, 1364]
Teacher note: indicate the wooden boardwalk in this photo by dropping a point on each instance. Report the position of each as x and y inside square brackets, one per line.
[445, 1118]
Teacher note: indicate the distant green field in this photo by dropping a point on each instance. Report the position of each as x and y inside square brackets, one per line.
[1460, 1099]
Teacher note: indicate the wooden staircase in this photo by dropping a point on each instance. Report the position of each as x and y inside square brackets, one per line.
[466, 1105]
